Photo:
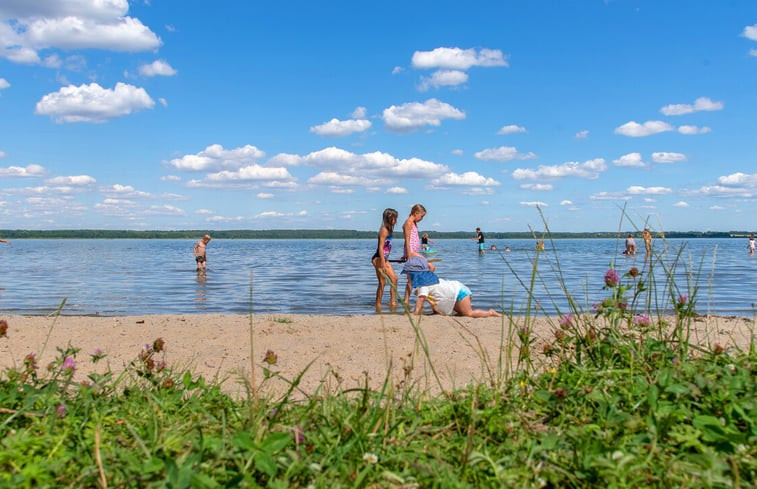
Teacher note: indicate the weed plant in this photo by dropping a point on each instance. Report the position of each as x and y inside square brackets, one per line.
[617, 397]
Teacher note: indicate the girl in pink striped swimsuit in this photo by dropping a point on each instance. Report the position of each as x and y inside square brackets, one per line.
[413, 241]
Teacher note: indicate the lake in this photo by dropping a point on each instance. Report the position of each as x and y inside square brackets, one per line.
[128, 277]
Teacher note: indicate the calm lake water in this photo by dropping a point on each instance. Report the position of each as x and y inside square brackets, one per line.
[122, 277]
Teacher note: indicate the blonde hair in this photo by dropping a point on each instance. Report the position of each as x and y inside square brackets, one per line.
[417, 208]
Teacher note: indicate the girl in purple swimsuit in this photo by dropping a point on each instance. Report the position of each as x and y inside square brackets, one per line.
[380, 259]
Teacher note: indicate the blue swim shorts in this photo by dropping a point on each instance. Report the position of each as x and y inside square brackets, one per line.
[464, 292]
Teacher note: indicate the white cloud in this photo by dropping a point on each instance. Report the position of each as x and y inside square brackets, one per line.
[250, 172]
[92, 103]
[632, 160]
[717, 208]
[170, 178]
[76, 180]
[338, 179]
[511, 129]
[750, 32]
[2, 154]
[566, 202]
[681, 204]
[443, 78]
[264, 195]
[28, 27]
[457, 152]
[4, 84]
[157, 67]
[693, 130]
[359, 113]
[503, 153]
[22, 171]
[700, 104]
[739, 179]
[589, 170]
[534, 204]
[639, 190]
[609, 196]
[397, 190]
[457, 58]
[582, 134]
[753, 52]
[469, 178]
[537, 187]
[215, 157]
[636, 130]
[337, 128]
[666, 157]
[414, 115]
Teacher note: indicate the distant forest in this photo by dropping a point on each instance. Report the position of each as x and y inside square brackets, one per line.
[325, 234]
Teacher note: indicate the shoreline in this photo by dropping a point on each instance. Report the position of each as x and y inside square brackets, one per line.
[334, 352]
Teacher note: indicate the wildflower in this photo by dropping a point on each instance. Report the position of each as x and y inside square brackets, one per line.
[270, 357]
[3, 328]
[159, 345]
[167, 383]
[68, 365]
[559, 334]
[298, 433]
[97, 355]
[560, 392]
[682, 299]
[370, 458]
[718, 349]
[61, 411]
[642, 320]
[634, 272]
[553, 370]
[566, 321]
[30, 362]
[611, 278]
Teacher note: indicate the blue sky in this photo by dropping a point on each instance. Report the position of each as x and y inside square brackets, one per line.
[318, 115]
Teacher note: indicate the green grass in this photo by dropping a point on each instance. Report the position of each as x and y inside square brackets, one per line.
[618, 397]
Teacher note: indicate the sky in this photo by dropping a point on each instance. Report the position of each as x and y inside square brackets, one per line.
[586, 115]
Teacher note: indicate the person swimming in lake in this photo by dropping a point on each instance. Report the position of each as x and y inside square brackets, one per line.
[630, 246]
[444, 296]
[751, 245]
[380, 259]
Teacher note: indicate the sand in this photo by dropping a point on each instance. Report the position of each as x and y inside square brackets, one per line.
[339, 352]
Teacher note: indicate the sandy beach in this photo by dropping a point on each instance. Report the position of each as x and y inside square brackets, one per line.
[341, 351]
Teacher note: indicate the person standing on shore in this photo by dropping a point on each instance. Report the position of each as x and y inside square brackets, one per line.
[647, 237]
[752, 244]
[480, 237]
[412, 241]
[380, 259]
[200, 252]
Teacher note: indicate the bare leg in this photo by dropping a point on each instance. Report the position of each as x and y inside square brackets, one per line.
[464, 308]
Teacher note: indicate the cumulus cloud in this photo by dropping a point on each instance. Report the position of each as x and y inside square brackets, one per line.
[589, 170]
[632, 160]
[534, 204]
[537, 187]
[750, 32]
[469, 178]
[667, 157]
[415, 115]
[22, 171]
[566, 202]
[337, 128]
[636, 130]
[340, 179]
[264, 195]
[609, 196]
[739, 179]
[249, 173]
[157, 68]
[215, 157]
[700, 104]
[4, 84]
[443, 78]
[582, 134]
[93, 103]
[28, 27]
[639, 190]
[681, 204]
[396, 190]
[511, 129]
[457, 58]
[693, 130]
[503, 153]
[74, 180]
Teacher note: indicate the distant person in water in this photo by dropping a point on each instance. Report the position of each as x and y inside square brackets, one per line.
[444, 296]
[630, 246]
[412, 241]
[493, 247]
[480, 238]
[752, 244]
[540, 245]
[507, 249]
[647, 237]
[380, 259]
[5, 241]
[425, 240]
[200, 252]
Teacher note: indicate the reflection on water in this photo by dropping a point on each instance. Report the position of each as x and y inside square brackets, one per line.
[116, 277]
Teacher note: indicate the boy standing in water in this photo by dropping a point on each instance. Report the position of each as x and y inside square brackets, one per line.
[480, 237]
[199, 252]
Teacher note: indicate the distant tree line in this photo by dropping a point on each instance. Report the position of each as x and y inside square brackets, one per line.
[327, 234]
